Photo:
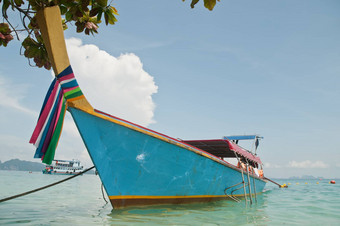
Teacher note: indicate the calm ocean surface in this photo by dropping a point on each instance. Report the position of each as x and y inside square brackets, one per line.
[80, 202]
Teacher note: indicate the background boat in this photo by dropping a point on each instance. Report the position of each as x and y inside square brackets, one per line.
[63, 167]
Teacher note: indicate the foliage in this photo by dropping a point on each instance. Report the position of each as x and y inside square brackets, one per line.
[5, 34]
[209, 4]
[85, 14]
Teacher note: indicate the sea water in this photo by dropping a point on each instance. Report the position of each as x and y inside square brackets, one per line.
[80, 202]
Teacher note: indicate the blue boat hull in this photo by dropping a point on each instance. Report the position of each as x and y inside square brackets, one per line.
[141, 167]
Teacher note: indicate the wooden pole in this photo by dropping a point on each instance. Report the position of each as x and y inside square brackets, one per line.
[244, 186]
[249, 184]
[50, 25]
[254, 182]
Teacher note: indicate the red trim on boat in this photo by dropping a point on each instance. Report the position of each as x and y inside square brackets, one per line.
[220, 145]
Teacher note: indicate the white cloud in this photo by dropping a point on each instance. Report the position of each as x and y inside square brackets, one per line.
[307, 164]
[116, 85]
[268, 165]
[11, 94]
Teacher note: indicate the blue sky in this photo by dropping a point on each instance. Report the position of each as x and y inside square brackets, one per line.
[263, 67]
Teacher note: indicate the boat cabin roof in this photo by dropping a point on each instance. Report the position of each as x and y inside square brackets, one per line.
[223, 148]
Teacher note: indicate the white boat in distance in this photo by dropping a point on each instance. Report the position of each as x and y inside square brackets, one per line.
[63, 167]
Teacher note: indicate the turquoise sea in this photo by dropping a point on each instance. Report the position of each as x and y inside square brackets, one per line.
[80, 202]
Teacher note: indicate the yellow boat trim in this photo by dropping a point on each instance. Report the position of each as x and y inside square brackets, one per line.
[76, 98]
[166, 197]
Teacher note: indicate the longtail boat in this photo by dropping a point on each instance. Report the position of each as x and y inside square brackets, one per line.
[136, 165]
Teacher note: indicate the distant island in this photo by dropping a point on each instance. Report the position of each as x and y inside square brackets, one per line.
[306, 177]
[21, 165]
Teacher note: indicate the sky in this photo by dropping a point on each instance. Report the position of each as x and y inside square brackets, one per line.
[248, 67]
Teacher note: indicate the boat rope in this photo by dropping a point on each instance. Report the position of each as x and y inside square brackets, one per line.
[280, 186]
[47, 186]
[103, 193]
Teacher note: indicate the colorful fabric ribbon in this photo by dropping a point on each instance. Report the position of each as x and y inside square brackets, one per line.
[45, 137]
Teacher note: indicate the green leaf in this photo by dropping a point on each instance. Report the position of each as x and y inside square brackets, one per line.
[99, 16]
[33, 51]
[106, 18]
[5, 6]
[79, 13]
[63, 9]
[209, 4]
[102, 3]
[80, 26]
[28, 42]
[4, 28]
[111, 17]
[94, 11]
[68, 16]
[114, 10]
[18, 2]
[64, 24]
[39, 37]
[84, 5]
[193, 3]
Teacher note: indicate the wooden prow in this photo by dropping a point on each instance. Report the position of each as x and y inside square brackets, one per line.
[50, 24]
[49, 21]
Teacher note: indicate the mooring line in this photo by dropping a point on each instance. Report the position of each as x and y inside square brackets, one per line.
[280, 186]
[103, 193]
[44, 187]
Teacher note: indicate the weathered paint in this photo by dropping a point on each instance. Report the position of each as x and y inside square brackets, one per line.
[137, 168]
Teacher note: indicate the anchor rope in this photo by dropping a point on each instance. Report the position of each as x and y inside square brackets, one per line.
[103, 194]
[44, 187]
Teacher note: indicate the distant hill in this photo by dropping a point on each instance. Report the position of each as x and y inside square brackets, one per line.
[305, 177]
[21, 165]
